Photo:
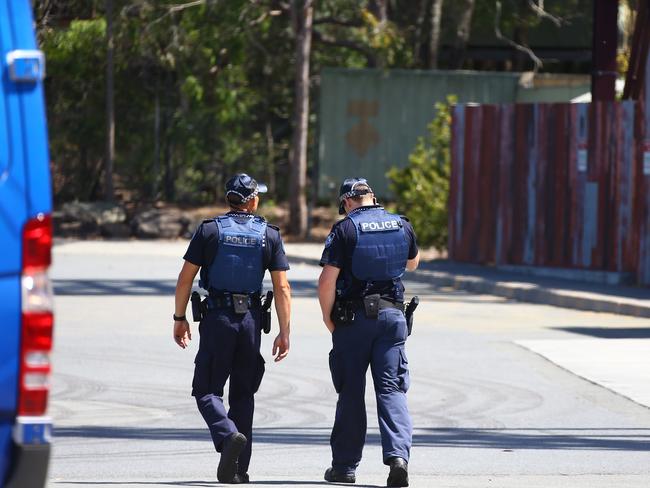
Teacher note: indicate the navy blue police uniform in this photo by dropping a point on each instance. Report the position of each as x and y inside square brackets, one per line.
[371, 247]
[233, 251]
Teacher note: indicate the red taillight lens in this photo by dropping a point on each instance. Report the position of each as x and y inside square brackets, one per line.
[35, 364]
[37, 331]
[37, 318]
[37, 243]
[33, 401]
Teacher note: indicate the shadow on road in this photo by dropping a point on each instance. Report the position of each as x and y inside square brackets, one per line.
[299, 288]
[605, 439]
[114, 287]
[85, 287]
[208, 483]
[136, 483]
[609, 332]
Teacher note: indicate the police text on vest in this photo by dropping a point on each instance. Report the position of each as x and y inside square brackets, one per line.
[379, 226]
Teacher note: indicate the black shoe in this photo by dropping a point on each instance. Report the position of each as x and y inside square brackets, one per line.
[399, 472]
[334, 477]
[230, 451]
[240, 479]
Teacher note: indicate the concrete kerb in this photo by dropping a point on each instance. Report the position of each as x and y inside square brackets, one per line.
[523, 291]
[533, 293]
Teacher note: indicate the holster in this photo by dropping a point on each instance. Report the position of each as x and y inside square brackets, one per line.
[408, 313]
[342, 313]
[197, 309]
[266, 312]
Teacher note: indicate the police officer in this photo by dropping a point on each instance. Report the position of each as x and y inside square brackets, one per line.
[233, 251]
[361, 296]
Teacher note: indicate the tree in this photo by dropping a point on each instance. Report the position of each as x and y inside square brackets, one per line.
[463, 31]
[434, 42]
[110, 112]
[302, 16]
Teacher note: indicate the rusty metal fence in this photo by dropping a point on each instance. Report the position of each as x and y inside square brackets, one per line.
[562, 185]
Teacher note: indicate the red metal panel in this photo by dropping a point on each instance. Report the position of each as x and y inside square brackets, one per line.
[552, 184]
[471, 211]
[622, 250]
[455, 203]
[487, 183]
[520, 176]
[505, 161]
[579, 163]
[559, 193]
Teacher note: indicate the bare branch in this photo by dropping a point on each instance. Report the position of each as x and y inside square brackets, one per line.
[341, 22]
[175, 8]
[183, 6]
[371, 58]
[518, 47]
[538, 8]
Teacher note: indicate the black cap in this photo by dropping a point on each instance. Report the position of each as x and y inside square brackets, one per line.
[349, 190]
[244, 187]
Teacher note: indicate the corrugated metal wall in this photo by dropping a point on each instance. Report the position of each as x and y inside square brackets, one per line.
[561, 185]
[370, 120]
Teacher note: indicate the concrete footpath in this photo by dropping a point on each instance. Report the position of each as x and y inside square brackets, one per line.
[579, 295]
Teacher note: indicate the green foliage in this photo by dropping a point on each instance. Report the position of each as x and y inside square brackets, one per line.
[422, 187]
[75, 100]
[204, 89]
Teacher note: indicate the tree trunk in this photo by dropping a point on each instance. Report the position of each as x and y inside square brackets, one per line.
[302, 16]
[156, 145]
[463, 31]
[270, 160]
[434, 41]
[417, 38]
[110, 115]
[379, 8]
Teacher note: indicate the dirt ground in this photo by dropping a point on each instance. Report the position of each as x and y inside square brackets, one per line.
[322, 219]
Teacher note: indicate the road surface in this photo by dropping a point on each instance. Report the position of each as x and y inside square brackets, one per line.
[489, 408]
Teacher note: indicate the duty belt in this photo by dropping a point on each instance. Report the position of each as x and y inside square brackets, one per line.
[372, 304]
[240, 303]
[383, 304]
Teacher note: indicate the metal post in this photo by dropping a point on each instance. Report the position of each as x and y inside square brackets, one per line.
[605, 37]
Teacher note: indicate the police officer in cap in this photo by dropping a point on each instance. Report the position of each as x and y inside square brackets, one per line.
[232, 252]
[361, 296]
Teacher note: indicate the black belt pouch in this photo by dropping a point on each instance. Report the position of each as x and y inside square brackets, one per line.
[240, 303]
[371, 305]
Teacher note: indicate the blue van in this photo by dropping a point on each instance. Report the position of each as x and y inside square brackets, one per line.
[25, 253]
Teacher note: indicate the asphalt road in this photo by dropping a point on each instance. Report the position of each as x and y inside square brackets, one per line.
[487, 411]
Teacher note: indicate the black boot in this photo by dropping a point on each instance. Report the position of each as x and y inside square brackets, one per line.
[399, 472]
[241, 479]
[334, 477]
[230, 450]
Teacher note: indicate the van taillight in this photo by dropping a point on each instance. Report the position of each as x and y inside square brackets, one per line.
[37, 243]
[37, 318]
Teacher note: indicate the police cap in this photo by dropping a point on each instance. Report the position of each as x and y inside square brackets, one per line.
[244, 187]
[350, 188]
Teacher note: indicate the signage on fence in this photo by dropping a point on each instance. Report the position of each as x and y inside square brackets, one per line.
[582, 158]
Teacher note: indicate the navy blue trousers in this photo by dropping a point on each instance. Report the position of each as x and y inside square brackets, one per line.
[378, 343]
[229, 348]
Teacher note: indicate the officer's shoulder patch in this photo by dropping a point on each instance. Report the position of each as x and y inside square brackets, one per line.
[329, 240]
[404, 217]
